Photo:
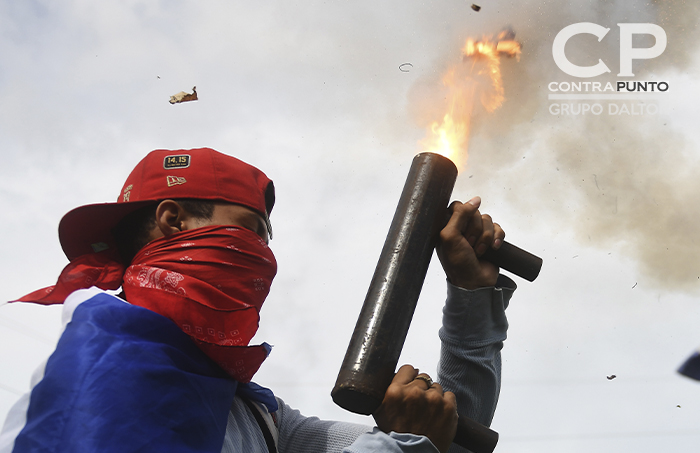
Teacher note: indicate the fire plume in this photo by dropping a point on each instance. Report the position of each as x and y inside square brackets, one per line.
[478, 74]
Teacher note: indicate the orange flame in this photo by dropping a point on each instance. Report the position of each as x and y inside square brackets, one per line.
[450, 137]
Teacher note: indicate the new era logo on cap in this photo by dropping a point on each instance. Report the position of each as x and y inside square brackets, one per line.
[175, 180]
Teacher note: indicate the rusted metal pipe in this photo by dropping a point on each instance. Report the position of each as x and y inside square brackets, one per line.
[381, 329]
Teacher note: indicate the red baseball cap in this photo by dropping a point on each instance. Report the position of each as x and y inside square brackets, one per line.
[201, 173]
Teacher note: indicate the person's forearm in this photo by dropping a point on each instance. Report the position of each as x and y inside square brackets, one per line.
[474, 328]
[298, 433]
[377, 441]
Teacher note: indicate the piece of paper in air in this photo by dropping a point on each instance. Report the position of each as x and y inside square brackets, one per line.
[184, 97]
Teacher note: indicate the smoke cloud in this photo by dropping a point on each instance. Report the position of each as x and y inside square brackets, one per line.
[627, 183]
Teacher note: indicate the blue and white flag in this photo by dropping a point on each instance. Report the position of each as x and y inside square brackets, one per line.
[124, 379]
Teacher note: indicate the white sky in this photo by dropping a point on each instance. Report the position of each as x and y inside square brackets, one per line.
[311, 93]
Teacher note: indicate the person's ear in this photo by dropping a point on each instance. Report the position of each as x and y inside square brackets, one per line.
[171, 218]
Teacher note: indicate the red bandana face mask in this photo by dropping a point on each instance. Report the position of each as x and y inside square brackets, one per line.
[210, 281]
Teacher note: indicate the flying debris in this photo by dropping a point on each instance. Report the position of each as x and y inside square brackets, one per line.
[476, 8]
[611, 377]
[405, 67]
[184, 97]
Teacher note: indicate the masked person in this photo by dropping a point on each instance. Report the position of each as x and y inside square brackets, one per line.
[166, 365]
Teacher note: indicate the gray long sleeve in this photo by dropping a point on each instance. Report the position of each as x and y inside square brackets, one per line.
[473, 329]
[474, 326]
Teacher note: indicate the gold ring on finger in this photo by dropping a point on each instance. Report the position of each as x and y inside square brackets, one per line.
[426, 379]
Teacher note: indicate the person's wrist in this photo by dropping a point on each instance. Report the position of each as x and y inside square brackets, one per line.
[473, 283]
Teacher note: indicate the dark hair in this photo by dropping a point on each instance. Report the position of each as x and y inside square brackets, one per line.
[132, 232]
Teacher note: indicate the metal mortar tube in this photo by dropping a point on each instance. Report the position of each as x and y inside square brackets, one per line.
[375, 346]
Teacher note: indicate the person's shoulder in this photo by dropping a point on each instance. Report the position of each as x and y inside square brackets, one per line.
[82, 295]
[92, 313]
[108, 312]
[94, 295]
